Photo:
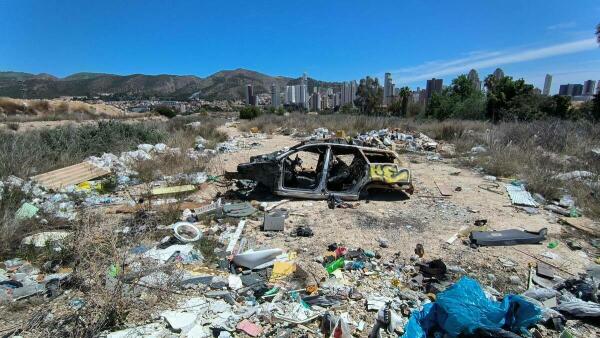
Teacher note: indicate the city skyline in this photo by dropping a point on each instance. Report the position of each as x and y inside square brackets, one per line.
[543, 37]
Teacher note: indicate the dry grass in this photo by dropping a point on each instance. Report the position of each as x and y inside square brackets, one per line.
[30, 110]
[108, 301]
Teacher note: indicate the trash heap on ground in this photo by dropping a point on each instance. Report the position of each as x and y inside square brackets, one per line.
[265, 291]
[389, 138]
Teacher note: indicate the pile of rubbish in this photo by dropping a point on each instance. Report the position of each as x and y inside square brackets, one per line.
[240, 142]
[20, 280]
[345, 292]
[384, 138]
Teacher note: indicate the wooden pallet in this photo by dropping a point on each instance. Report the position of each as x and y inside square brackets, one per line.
[60, 178]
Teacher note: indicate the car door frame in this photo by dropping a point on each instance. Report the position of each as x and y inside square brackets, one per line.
[320, 191]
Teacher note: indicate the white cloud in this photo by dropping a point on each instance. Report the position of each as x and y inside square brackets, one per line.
[432, 69]
[562, 25]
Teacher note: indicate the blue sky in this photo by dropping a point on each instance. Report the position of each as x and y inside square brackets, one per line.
[330, 40]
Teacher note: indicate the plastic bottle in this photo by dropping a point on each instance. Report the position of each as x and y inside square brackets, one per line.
[337, 264]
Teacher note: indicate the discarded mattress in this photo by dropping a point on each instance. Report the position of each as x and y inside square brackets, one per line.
[519, 196]
[251, 259]
[507, 237]
[464, 309]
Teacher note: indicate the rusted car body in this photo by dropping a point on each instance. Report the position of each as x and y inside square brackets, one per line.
[317, 169]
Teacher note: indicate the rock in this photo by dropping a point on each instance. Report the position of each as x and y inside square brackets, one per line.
[160, 148]
[194, 125]
[478, 149]
[146, 147]
[515, 280]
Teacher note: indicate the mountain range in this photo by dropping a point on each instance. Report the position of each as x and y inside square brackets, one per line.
[223, 85]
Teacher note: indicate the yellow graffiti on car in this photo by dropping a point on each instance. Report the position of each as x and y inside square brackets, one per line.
[388, 173]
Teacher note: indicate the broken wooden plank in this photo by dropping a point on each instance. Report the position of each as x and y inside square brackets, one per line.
[71, 175]
[173, 190]
[236, 236]
[444, 188]
[581, 223]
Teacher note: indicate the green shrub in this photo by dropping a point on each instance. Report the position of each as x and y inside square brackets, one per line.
[249, 112]
[166, 111]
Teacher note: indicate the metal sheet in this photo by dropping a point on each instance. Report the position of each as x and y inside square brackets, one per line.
[519, 196]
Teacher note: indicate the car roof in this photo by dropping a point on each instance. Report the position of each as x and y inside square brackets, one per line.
[338, 142]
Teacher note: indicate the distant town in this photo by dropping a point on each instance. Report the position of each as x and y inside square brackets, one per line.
[332, 98]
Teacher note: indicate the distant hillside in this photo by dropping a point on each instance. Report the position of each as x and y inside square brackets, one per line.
[224, 85]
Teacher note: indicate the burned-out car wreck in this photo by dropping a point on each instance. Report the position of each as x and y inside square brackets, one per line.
[318, 169]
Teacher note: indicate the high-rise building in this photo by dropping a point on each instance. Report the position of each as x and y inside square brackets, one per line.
[337, 99]
[570, 89]
[498, 74]
[290, 94]
[547, 84]
[353, 89]
[275, 96]
[348, 93]
[315, 101]
[388, 89]
[474, 78]
[433, 86]
[588, 87]
[250, 98]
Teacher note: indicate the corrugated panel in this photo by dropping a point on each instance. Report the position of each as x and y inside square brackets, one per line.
[71, 175]
[519, 196]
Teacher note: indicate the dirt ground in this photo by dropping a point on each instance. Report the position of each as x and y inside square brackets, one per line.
[425, 217]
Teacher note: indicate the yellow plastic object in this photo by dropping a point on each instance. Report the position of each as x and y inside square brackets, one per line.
[388, 173]
[340, 134]
[173, 190]
[282, 270]
[89, 185]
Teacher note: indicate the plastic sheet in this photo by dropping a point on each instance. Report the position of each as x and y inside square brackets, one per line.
[464, 308]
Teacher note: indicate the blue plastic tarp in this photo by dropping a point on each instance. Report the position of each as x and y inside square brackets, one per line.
[464, 308]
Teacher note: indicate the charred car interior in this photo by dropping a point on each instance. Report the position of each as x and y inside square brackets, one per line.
[316, 170]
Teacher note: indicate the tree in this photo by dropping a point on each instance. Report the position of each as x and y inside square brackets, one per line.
[460, 100]
[404, 96]
[598, 33]
[369, 95]
[166, 111]
[347, 109]
[249, 112]
[462, 86]
[506, 97]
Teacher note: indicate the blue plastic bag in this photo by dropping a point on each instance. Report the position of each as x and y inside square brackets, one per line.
[464, 308]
